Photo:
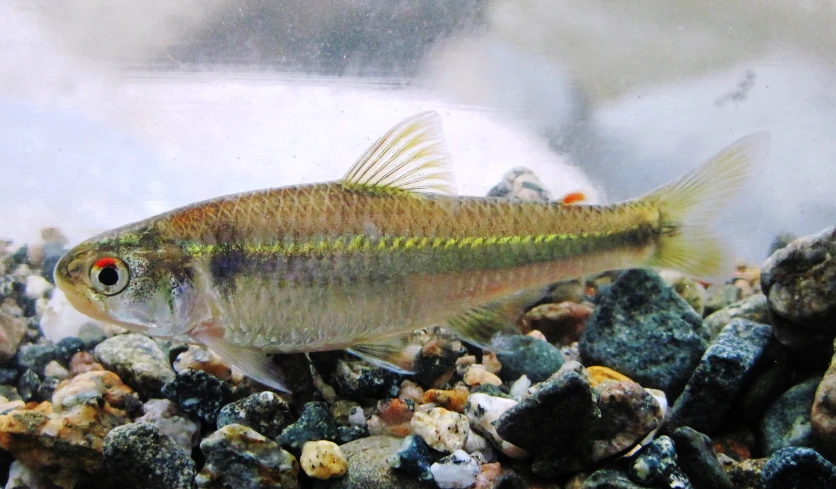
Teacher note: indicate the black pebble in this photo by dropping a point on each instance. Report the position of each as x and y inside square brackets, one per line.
[798, 468]
[36, 357]
[315, 423]
[8, 374]
[696, 457]
[28, 385]
[346, 434]
[415, 457]
[47, 388]
[68, 347]
[198, 393]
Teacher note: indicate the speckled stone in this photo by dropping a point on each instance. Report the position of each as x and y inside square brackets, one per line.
[436, 362]
[265, 412]
[719, 378]
[12, 330]
[799, 281]
[644, 330]
[569, 426]
[787, 421]
[163, 415]
[198, 393]
[443, 430]
[354, 378]
[482, 411]
[823, 413]
[798, 468]
[610, 479]
[722, 296]
[139, 456]
[27, 385]
[696, 457]
[138, 361]
[524, 355]
[237, 456]
[36, 357]
[415, 458]
[754, 308]
[315, 423]
[455, 471]
[561, 323]
[653, 463]
[369, 467]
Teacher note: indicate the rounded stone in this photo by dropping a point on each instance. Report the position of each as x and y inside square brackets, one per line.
[138, 361]
[323, 460]
[140, 456]
[369, 467]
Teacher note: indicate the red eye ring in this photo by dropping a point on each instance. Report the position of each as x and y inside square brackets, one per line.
[109, 275]
[105, 262]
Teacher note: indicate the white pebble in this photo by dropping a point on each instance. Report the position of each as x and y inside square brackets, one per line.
[323, 459]
[482, 410]
[455, 471]
[519, 388]
[163, 414]
[55, 369]
[36, 286]
[443, 430]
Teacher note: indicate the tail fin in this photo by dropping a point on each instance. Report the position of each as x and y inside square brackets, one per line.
[690, 205]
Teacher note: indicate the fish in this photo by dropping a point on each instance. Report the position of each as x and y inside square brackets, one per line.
[360, 263]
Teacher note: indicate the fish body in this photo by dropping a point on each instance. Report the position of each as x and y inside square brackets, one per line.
[359, 263]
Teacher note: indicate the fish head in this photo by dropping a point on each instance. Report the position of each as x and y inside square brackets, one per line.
[132, 281]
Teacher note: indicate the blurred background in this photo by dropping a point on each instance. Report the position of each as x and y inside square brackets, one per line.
[113, 110]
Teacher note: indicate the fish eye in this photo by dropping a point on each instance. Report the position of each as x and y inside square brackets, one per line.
[109, 275]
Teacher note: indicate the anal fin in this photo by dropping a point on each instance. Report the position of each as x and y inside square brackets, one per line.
[254, 364]
[389, 352]
[482, 324]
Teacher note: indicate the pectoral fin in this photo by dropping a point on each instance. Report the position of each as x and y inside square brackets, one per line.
[389, 352]
[255, 365]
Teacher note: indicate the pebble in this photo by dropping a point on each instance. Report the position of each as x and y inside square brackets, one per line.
[265, 412]
[519, 388]
[56, 370]
[799, 281]
[453, 399]
[198, 393]
[65, 445]
[798, 468]
[200, 358]
[478, 446]
[46, 388]
[478, 375]
[455, 471]
[488, 475]
[696, 457]
[84, 362]
[561, 323]
[10, 393]
[412, 391]
[599, 374]
[654, 463]
[323, 460]
[482, 411]
[521, 184]
[524, 355]
[356, 379]
[346, 434]
[27, 385]
[610, 479]
[237, 456]
[348, 413]
[443, 430]
[754, 308]
[369, 467]
[568, 425]
[69, 346]
[139, 456]
[720, 375]
[36, 357]
[491, 362]
[315, 423]
[8, 374]
[823, 413]
[787, 421]
[22, 477]
[163, 415]
[745, 474]
[95, 385]
[644, 330]
[436, 362]
[138, 361]
[721, 297]
[12, 330]
[689, 289]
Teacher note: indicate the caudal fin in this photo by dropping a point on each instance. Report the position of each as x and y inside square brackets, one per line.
[689, 206]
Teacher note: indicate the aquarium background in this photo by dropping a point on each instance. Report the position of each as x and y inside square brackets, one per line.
[111, 111]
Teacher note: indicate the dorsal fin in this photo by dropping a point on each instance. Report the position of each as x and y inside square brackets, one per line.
[411, 157]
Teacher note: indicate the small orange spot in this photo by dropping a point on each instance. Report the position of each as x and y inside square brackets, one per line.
[573, 198]
[105, 263]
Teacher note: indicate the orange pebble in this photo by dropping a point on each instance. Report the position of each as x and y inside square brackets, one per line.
[599, 374]
[453, 399]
